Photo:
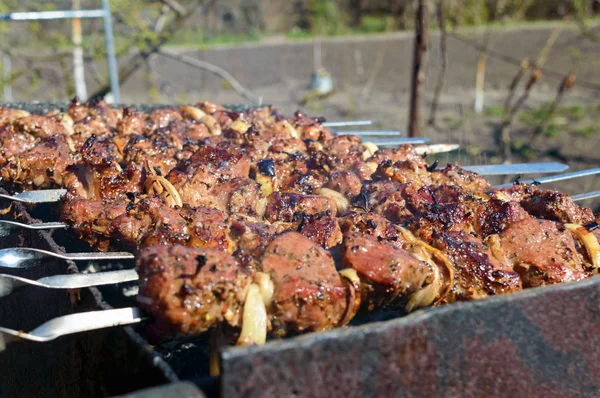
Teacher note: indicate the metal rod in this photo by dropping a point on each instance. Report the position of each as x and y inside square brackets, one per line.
[48, 15]
[400, 141]
[558, 177]
[7, 77]
[78, 65]
[518, 168]
[584, 196]
[113, 71]
[348, 123]
[393, 133]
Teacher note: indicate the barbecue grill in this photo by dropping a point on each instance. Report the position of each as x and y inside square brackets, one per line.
[538, 341]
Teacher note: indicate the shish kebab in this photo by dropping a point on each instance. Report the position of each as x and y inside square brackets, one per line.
[393, 215]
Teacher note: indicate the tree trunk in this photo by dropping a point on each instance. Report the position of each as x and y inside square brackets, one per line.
[418, 70]
[355, 13]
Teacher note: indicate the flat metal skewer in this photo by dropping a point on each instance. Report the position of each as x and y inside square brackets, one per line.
[22, 257]
[558, 177]
[361, 133]
[8, 283]
[74, 323]
[35, 197]
[518, 168]
[348, 123]
[399, 141]
[584, 196]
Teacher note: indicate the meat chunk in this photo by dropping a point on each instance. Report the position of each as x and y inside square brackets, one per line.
[477, 272]
[542, 252]
[389, 275]
[90, 220]
[188, 290]
[283, 206]
[323, 229]
[38, 126]
[42, 166]
[309, 294]
[553, 205]
[455, 175]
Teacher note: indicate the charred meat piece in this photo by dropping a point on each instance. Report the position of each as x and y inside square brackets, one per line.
[553, 205]
[457, 176]
[403, 172]
[91, 219]
[238, 196]
[389, 275]
[13, 143]
[42, 166]
[542, 252]
[321, 228]
[345, 182]
[384, 198]
[38, 126]
[401, 154]
[188, 290]
[370, 224]
[150, 221]
[283, 206]
[309, 294]
[207, 228]
[477, 273]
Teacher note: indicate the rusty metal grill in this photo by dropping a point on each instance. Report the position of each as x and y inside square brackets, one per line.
[542, 341]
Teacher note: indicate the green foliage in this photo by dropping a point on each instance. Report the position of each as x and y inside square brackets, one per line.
[494, 111]
[587, 131]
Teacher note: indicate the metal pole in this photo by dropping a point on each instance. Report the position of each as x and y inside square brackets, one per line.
[113, 72]
[6, 75]
[78, 66]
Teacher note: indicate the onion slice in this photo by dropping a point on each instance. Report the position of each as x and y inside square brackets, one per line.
[156, 184]
[341, 202]
[369, 149]
[352, 281]
[254, 321]
[589, 241]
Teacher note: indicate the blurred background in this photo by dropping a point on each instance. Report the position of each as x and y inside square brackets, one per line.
[510, 80]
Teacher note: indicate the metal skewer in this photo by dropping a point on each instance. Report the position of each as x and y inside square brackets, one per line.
[74, 323]
[558, 177]
[21, 257]
[348, 123]
[8, 283]
[518, 168]
[34, 197]
[584, 196]
[399, 141]
[359, 133]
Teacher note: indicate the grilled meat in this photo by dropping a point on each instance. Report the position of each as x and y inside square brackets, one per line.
[188, 290]
[216, 201]
[309, 294]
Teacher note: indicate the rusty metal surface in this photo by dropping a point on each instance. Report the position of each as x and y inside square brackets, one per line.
[542, 342]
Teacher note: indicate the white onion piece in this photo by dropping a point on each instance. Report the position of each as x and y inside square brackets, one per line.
[254, 323]
[266, 184]
[341, 202]
[192, 112]
[352, 282]
[369, 150]
[589, 241]
[212, 124]
[266, 287]
[17, 114]
[239, 126]
[157, 184]
[67, 122]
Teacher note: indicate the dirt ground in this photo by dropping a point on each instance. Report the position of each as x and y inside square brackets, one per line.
[371, 77]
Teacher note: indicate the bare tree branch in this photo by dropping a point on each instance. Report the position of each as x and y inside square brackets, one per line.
[175, 6]
[140, 58]
[222, 73]
[418, 70]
